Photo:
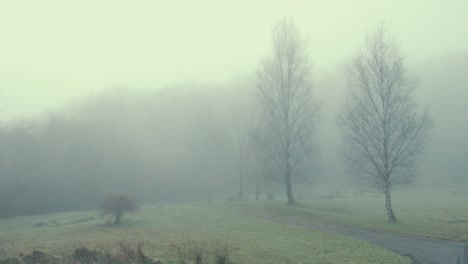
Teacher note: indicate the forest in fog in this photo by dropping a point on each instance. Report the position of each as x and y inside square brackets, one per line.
[200, 140]
[174, 144]
[156, 145]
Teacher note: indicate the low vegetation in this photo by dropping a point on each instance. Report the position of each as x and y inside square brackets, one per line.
[183, 233]
[117, 206]
[124, 253]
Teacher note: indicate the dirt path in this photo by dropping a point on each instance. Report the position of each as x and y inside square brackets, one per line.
[421, 250]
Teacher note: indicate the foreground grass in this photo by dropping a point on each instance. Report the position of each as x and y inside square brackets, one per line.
[431, 213]
[164, 229]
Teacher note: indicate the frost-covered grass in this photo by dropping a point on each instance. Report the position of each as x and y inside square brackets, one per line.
[164, 228]
[431, 213]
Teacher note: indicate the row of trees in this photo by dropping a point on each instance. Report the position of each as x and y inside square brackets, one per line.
[155, 145]
[383, 134]
[161, 144]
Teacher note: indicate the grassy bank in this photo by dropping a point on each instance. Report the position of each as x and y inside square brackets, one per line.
[165, 229]
[430, 213]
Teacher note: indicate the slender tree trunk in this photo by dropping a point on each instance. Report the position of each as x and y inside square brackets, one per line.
[257, 189]
[287, 179]
[240, 188]
[291, 200]
[388, 206]
[240, 180]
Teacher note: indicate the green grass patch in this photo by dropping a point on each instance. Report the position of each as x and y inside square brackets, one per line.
[165, 229]
[430, 213]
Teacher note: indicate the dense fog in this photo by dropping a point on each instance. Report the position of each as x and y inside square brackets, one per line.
[72, 134]
[164, 145]
[172, 144]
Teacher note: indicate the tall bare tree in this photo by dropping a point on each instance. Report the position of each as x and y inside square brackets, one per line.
[288, 109]
[382, 131]
[261, 164]
[242, 122]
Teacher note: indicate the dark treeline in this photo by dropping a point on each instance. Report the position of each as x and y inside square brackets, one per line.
[164, 145]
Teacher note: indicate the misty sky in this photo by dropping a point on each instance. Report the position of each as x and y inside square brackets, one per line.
[53, 51]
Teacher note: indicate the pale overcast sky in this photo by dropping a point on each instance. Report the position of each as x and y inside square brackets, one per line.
[52, 51]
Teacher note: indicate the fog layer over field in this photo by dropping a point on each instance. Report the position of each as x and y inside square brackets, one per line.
[142, 98]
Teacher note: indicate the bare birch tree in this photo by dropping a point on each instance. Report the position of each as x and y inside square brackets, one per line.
[382, 131]
[285, 96]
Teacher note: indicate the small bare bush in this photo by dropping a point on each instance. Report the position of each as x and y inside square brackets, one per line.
[117, 206]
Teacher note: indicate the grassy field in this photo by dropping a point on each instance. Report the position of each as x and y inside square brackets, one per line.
[430, 213]
[166, 229]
